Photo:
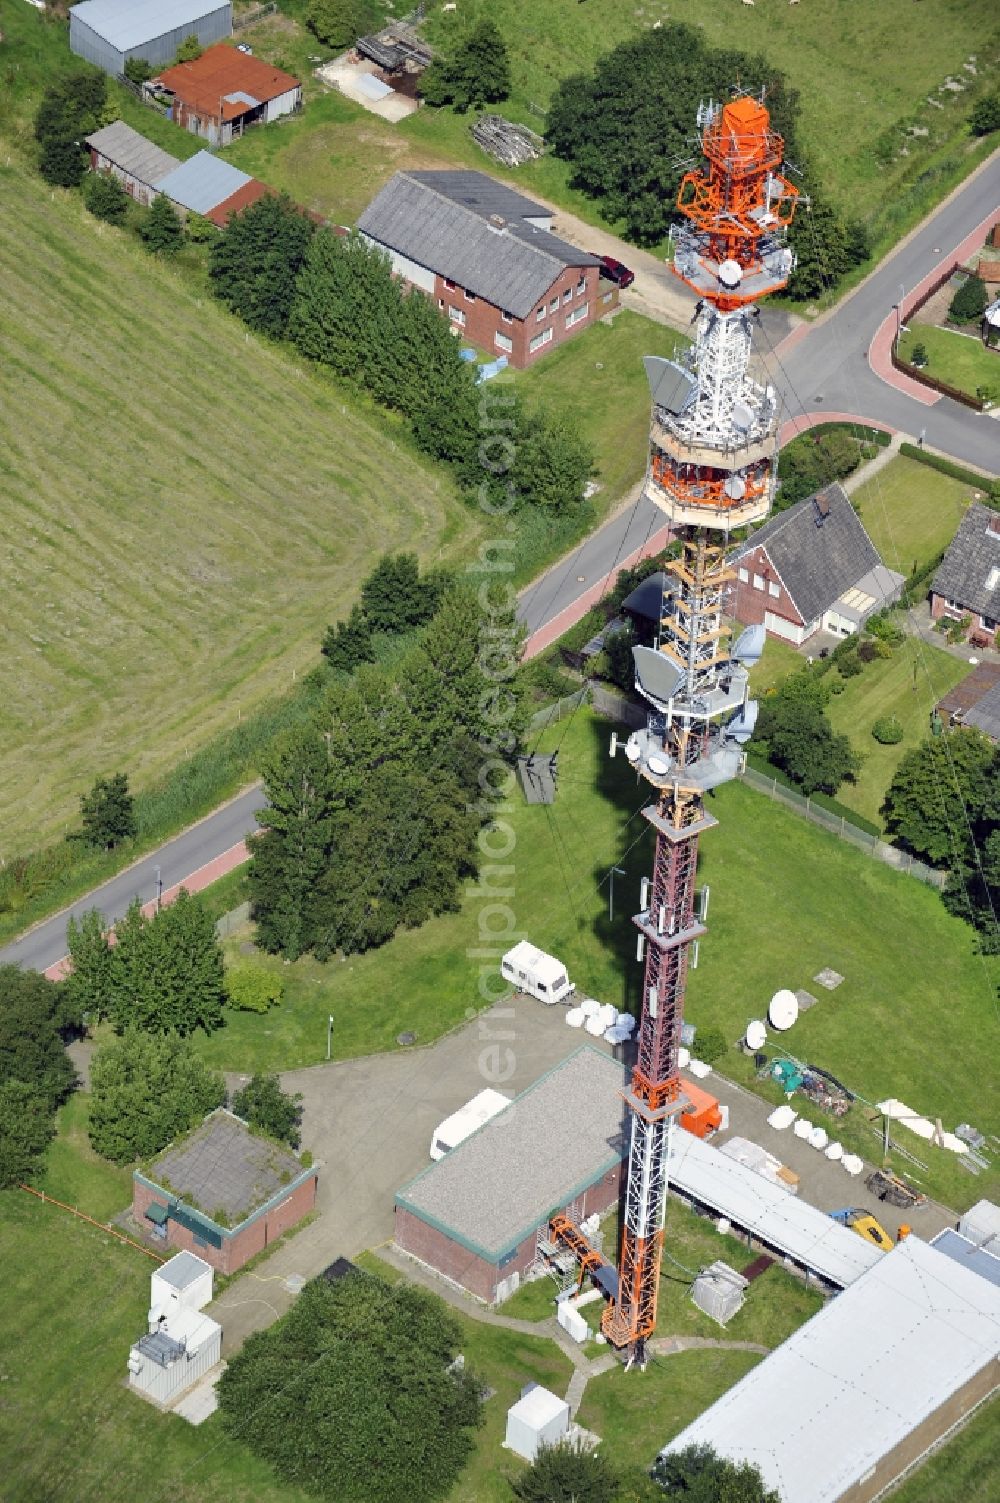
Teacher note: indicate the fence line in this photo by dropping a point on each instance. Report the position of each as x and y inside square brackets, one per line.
[229, 922]
[549, 714]
[252, 16]
[841, 827]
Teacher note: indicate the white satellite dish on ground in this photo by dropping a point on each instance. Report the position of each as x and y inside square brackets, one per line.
[756, 1034]
[784, 1009]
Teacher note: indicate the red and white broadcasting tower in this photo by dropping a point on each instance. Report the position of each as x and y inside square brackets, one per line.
[713, 441]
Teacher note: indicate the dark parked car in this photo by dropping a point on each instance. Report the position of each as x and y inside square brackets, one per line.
[615, 271]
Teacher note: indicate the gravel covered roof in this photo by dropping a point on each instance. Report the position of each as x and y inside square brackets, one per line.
[555, 1139]
[222, 1166]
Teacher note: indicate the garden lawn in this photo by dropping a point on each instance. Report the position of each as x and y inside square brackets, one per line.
[779, 660]
[911, 512]
[598, 382]
[787, 900]
[960, 360]
[963, 1471]
[908, 686]
[636, 1414]
[185, 509]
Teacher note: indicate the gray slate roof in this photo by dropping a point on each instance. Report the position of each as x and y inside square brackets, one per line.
[966, 571]
[129, 23]
[511, 267]
[131, 152]
[985, 715]
[203, 182]
[483, 194]
[555, 1139]
[817, 563]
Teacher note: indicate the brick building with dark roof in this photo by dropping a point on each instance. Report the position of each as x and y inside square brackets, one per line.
[223, 92]
[812, 568]
[488, 256]
[223, 1192]
[967, 582]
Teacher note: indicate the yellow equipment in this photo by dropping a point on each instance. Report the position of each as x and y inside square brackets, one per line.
[866, 1226]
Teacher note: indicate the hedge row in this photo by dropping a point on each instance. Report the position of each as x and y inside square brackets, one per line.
[949, 467]
[824, 801]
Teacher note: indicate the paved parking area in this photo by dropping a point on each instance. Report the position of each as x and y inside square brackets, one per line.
[369, 1124]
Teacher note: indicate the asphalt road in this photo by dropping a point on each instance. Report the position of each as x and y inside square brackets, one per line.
[826, 369]
[177, 861]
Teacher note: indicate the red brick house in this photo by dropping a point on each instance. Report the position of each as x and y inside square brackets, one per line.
[488, 257]
[967, 582]
[477, 1215]
[812, 568]
[223, 1193]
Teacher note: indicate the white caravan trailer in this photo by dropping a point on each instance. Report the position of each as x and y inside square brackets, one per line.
[540, 975]
[463, 1123]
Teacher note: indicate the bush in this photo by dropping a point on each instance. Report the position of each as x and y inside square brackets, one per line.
[985, 115]
[190, 50]
[710, 1044]
[887, 730]
[969, 302]
[145, 1091]
[106, 198]
[264, 1105]
[162, 229]
[137, 70]
[850, 664]
[253, 988]
[918, 356]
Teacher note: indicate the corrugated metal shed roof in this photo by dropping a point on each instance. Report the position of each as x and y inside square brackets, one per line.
[511, 266]
[783, 1221]
[969, 1254]
[129, 23]
[237, 202]
[557, 1137]
[203, 182]
[224, 73]
[853, 1382]
[132, 152]
[817, 563]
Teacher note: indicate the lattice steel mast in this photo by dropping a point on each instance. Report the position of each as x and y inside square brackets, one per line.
[713, 441]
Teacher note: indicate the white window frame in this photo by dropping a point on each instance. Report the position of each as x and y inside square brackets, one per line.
[567, 295]
[581, 286]
[457, 315]
[577, 316]
[758, 581]
[554, 305]
[607, 296]
[773, 589]
[540, 340]
[503, 343]
[744, 576]
[539, 314]
[507, 318]
[470, 297]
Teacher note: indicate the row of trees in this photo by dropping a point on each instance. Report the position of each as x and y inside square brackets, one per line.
[395, 598]
[627, 127]
[36, 1076]
[336, 298]
[374, 806]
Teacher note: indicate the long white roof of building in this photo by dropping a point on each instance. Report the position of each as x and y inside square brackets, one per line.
[853, 1382]
[783, 1221]
[130, 23]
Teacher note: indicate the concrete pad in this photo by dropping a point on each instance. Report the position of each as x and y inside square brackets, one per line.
[828, 978]
[203, 1399]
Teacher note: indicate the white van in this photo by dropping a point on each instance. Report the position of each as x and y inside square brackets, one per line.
[463, 1123]
[540, 975]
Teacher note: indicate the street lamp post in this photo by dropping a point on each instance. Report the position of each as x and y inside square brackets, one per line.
[159, 890]
[329, 1034]
[615, 871]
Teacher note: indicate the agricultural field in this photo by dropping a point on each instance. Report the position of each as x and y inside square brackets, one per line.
[963, 1471]
[908, 685]
[911, 512]
[960, 360]
[855, 115]
[166, 474]
[767, 867]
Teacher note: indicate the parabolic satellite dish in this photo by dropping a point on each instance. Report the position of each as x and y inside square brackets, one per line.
[658, 677]
[735, 487]
[730, 273]
[784, 1009]
[756, 1034]
[742, 416]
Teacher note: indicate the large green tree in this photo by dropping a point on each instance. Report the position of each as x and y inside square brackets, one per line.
[476, 73]
[26, 1129]
[353, 1395]
[969, 302]
[36, 1018]
[566, 1473]
[108, 813]
[800, 739]
[70, 109]
[146, 1090]
[162, 230]
[699, 1475]
[338, 23]
[163, 974]
[936, 790]
[254, 263]
[106, 198]
[348, 643]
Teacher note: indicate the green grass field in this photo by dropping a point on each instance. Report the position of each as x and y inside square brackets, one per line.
[907, 685]
[965, 1471]
[911, 512]
[186, 508]
[960, 360]
[787, 900]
